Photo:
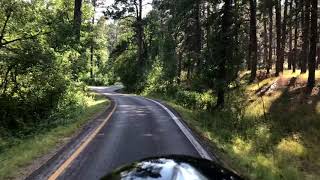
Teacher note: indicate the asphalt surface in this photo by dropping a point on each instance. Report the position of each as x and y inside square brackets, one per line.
[139, 128]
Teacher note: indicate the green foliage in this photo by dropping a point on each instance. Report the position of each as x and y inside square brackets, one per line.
[96, 56]
[16, 153]
[252, 134]
[124, 59]
[195, 100]
[128, 69]
[40, 65]
[157, 84]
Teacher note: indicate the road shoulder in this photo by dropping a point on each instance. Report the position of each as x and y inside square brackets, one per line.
[213, 151]
[49, 163]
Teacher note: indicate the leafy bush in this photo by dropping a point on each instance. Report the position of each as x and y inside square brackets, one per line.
[195, 100]
[157, 84]
[129, 71]
[72, 103]
[40, 83]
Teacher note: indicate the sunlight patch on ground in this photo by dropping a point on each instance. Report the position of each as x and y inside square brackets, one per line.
[241, 147]
[291, 147]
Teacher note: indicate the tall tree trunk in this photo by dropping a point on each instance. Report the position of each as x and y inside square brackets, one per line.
[140, 34]
[278, 27]
[284, 35]
[226, 53]
[296, 35]
[198, 35]
[290, 35]
[313, 43]
[305, 45]
[92, 43]
[265, 41]
[270, 12]
[77, 18]
[253, 39]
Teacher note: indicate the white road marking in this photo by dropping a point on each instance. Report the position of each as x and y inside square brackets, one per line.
[202, 152]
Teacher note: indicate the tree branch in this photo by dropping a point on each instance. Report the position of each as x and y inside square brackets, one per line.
[21, 38]
[137, 9]
[5, 25]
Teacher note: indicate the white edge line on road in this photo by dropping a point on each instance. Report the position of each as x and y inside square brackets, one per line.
[202, 152]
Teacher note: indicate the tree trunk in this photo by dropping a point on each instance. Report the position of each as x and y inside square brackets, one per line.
[290, 36]
[253, 39]
[92, 43]
[77, 18]
[270, 9]
[284, 36]
[313, 43]
[305, 45]
[265, 41]
[278, 27]
[226, 53]
[140, 34]
[296, 26]
[198, 35]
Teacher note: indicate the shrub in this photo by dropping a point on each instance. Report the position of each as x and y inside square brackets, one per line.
[195, 100]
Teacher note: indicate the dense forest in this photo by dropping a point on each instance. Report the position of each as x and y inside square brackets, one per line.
[239, 65]
[203, 45]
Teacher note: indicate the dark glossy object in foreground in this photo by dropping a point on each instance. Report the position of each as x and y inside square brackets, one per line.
[173, 168]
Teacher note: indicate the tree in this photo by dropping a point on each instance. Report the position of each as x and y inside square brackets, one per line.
[253, 39]
[77, 18]
[296, 26]
[270, 13]
[226, 51]
[290, 57]
[283, 36]
[279, 39]
[264, 13]
[92, 43]
[313, 43]
[197, 34]
[39, 65]
[305, 36]
[123, 9]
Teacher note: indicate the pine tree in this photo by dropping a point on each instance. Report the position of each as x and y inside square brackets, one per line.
[313, 43]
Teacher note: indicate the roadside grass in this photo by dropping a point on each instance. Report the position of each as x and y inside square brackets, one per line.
[268, 130]
[25, 151]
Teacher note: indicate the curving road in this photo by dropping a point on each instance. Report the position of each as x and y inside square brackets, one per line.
[138, 128]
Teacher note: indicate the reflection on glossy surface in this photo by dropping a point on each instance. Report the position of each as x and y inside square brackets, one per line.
[173, 168]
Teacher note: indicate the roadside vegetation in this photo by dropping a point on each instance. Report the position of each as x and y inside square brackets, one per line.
[19, 152]
[47, 59]
[268, 130]
[244, 73]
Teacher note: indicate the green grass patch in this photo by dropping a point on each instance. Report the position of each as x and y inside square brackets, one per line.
[266, 136]
[24, 151]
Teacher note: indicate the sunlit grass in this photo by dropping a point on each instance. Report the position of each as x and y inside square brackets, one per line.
[24, 152]
[270, 137]
[291, 147]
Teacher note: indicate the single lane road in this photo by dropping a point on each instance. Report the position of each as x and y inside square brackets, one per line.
[139, 128]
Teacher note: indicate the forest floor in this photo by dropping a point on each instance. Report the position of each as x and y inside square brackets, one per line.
[269, 129]
[26, 155]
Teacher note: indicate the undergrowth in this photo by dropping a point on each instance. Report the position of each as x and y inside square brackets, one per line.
[267, 130]
[18, 152]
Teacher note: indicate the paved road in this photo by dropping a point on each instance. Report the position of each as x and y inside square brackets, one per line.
[139, 128]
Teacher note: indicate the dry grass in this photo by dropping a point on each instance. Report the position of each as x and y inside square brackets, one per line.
[270, 129]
